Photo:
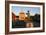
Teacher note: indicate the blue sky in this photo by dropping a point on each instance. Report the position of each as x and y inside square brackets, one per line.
[33, 10]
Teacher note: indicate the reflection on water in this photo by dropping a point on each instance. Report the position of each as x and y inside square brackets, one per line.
[23, 24]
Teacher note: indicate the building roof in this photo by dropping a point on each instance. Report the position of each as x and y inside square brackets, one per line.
[21, 13]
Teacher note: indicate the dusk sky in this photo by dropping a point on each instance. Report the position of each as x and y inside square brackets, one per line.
[33, 10]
